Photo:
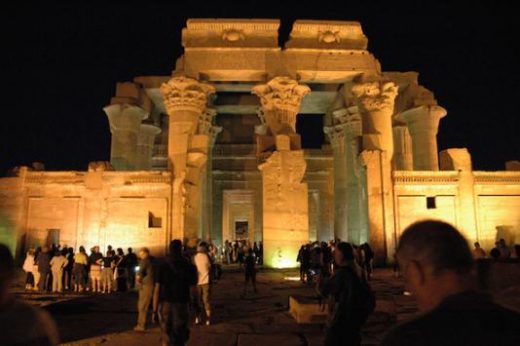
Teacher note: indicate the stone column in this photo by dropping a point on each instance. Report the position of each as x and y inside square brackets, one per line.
[423, 124]
[186, 100]
[375, 99]
[348, 218]
[285, 197]
[336, 136]
[403, 160]
[207, 198]
[145, 142]
[124, 122]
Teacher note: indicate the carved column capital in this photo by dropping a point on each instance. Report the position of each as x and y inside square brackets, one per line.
[206, 121]
[375, 96]
[423, 118]
[281, 98]
[185, 94]
[125, 117]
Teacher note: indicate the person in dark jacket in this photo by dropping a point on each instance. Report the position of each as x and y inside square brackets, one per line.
[436, 264]
[343, 290]
[44, 268]
[172, 295]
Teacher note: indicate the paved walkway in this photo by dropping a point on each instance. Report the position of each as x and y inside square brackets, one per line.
[261, 319]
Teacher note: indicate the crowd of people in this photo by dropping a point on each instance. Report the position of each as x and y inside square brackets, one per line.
[433, 258]
[58, 269]
[316, 259]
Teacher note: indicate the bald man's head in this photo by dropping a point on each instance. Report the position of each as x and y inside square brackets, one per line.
[436, 244]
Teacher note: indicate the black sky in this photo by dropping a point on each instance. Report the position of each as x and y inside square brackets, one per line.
[61, 63]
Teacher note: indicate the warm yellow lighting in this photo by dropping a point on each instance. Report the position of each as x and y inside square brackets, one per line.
[292, 278]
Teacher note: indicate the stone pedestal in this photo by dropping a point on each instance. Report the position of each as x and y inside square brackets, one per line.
[285, 197]
[145, 142]
[285, 208]
[423, 124]
[188, 142]
[124, 122]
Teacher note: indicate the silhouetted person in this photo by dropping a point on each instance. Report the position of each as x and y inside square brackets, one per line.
[44, 268]
[348, 299]
[21, 324]
[250, 271]
[436, 264]
[478, 252]
[131, 264]
[172, 295]
[505, 253]
[202, 297]
[304, 257]
[146, 280]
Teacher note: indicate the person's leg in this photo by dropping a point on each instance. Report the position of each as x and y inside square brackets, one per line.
[206, 296]
[60, 280]
[41, 283]
[36, 275]
[253, 281]
[196, 297]
[166, 323]
[54, 281]
[180, 331]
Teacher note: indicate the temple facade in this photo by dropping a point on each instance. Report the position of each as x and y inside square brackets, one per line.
[213, 152]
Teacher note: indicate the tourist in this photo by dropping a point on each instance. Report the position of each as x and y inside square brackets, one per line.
[304, 257]
[203, 289]
[28, 266]
[516, 252]
[107, 274]
[146, 281]
[44, 268]
[505, 253]
[261, 250]
[22, 324]
[95, 261]
[250, 271]
[478, 252]
[172, 295]
[130, 264]
[68, 253]
[368, 260]
[437, 267]
[35, 271]
[80, 270]
[120, 275]
[350, 300]
[58, 262]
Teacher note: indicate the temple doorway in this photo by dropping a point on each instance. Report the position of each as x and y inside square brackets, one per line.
[241, 230]
[238, 215]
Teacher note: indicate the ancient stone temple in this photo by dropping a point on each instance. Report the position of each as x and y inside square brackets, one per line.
[213, 152]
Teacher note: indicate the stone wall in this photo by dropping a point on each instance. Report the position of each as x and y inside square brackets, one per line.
[495, 197]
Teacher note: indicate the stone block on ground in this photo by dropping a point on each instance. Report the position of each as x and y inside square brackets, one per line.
[306, 309]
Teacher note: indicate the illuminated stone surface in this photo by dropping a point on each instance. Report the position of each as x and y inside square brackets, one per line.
[186, 151]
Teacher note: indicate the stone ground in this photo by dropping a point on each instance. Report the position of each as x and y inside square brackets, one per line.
[260, 319]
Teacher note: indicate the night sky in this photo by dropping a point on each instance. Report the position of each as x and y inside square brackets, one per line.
[61, 64]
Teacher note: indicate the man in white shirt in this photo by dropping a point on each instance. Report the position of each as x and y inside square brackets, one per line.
[203, 263]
